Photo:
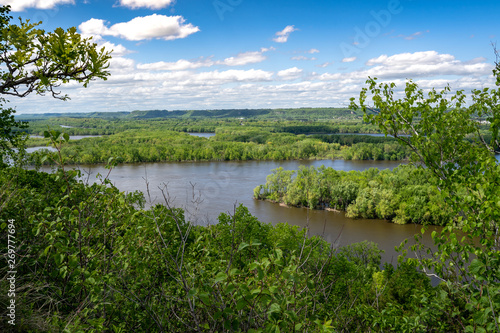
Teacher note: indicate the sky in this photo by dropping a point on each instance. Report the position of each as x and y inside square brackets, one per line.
[225, 54]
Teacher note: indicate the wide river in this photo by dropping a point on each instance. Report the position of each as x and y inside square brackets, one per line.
[205, 189]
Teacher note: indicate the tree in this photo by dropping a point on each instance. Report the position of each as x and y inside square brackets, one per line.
[32, 60]
[449, 137]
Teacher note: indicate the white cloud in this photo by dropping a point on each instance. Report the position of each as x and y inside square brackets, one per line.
[282, 36]
[403, 59]
[191, 84]
[302, 58]
[351, 59]
[312, 51]
[233, 75]
[290, 73]
[266, 49]
[415, 65]
[143, 27]
[241, 59]
[117, 50]
[151, 4]
[20, 5]
[325, 64]
[93, 27]
[178, 65]
[244, 59]
[425, 64]
[120, 64]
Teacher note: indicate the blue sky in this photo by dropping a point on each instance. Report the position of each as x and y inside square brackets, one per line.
[194, 54]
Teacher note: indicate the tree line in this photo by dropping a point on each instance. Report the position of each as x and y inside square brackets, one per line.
[403, 195]
[133, 146]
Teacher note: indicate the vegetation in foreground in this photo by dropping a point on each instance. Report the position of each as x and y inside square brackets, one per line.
[89, 258]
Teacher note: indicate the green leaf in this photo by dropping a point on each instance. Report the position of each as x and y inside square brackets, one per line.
[241, 304]
[204, 297]
[274, 308]
[475, 266]
[242, 246]
[230, 288]
[220, 277]
[192, 292]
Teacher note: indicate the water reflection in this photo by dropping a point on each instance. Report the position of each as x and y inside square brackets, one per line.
[202, 135]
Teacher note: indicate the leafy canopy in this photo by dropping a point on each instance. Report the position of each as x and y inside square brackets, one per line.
[32, 60]
[37, 61]
[456, 141]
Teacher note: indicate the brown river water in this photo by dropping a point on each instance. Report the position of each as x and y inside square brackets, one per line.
[205, 189]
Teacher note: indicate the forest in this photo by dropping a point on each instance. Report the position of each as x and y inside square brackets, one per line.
[130, 141]
[404, 195]
[80, 257]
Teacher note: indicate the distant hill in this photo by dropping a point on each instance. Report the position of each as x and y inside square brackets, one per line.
[278, 114]
[103, 115]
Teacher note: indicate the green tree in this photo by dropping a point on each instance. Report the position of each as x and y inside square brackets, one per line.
[32, 60]
[446, 136]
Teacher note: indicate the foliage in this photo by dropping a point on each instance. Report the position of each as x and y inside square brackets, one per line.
[403, 195]
[11, 134]
[35, 61]
[157, 142]
[446, 137]
[95, 259]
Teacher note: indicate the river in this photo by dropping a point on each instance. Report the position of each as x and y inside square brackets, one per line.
[205, 189]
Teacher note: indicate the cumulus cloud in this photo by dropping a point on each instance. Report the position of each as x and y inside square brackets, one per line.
[192, 84]
[233, 75]
[117, 50]
[282, 36]
[142, 28]
[312, 51]
[426, 57]
[429, 70]
[241, 59]
[266, 49]
[151, 4]
[121, 64]
[244, 59]
[178, 65]
[428, 63]
[290, 73]
[351, 59]
[20, 5]
[93, 27]
[415, 65]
